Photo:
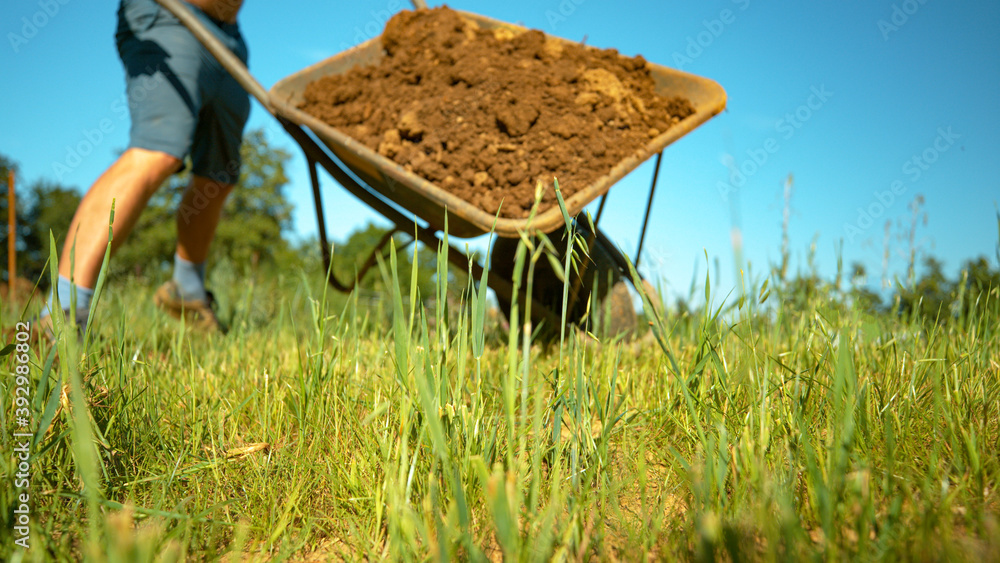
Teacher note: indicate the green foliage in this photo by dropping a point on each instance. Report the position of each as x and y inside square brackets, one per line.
[350, 256]
[815, 430]
[815, 433]
[863, 298]
[257, 213]
[51, 208]
[929, 297]
[43, 207]
[251, 232]
[934, 298]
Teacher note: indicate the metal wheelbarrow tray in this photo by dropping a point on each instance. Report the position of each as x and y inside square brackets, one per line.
[423, 210]
[430, 202]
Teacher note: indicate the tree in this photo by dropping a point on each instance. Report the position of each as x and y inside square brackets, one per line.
[929, 297]
[50, 209]
[975, 283]
[253, 223]
[257, 213]
[42, 208]
[351, 254]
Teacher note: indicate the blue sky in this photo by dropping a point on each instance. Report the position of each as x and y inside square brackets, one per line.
[867, 104]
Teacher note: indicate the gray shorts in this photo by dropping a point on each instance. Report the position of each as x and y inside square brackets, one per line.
[180, 98]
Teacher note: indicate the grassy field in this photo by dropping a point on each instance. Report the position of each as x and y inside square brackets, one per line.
[784, 424]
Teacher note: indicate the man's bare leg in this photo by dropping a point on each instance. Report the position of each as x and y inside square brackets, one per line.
[130, 181]
[197, 218]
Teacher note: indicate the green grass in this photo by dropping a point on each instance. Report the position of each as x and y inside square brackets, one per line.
[799, 428]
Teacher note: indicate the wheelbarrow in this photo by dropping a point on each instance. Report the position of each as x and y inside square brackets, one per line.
[422, 209]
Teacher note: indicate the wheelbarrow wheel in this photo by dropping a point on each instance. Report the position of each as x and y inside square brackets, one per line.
[603, 304]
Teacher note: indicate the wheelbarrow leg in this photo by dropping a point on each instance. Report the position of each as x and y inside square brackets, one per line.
[649, 206]
[324, 243]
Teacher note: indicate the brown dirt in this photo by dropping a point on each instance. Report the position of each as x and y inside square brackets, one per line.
[485, 115]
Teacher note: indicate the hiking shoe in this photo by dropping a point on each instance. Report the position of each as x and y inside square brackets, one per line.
[196, 313]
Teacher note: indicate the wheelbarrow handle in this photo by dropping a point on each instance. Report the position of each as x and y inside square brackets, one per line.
[226, 58]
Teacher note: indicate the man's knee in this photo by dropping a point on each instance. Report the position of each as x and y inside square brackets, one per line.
[157, 165]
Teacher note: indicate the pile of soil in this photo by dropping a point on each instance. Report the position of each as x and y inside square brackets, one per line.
[485, 115]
